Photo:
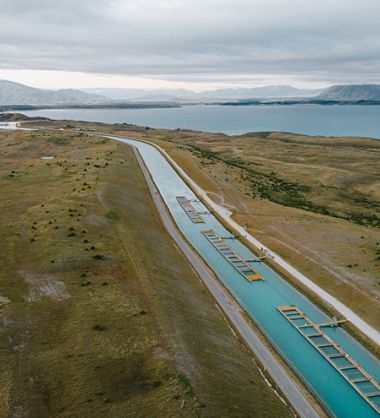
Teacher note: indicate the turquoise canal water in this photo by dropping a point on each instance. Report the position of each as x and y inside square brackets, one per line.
[233, 120]
[260, 300]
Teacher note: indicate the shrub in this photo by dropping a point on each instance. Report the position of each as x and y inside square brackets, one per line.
[98, 257]
[85, 284]
[98, 327]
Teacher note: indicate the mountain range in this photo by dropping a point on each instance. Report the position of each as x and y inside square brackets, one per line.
[352, 92]
[14, 94]
[280, 91]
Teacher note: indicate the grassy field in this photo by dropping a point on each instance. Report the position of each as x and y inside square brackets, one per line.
[313, 200]
[100, 315]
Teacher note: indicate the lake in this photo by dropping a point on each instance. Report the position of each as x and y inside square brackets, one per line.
[344, 120]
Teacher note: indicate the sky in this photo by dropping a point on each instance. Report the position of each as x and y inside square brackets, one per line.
[196, 44]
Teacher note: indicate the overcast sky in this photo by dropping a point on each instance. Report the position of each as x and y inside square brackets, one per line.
[189, 43]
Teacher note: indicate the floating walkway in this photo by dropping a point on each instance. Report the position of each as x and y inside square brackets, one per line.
[193, 214]
[231, 256]
[355, 375]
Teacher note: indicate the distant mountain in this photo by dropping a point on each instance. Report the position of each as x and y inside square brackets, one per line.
[19, 94]
[281, 91]
[16, 94]
[352, 92]
[132, 94]
[266, 92]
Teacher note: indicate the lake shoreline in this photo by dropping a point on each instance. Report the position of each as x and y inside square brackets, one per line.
[313, 120]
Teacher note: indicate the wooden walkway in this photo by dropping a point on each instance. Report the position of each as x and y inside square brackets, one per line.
[242, 266]
[355, 375]
[193, 214]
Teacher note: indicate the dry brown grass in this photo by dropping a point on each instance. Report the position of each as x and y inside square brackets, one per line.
[100, 315]
[343, 177]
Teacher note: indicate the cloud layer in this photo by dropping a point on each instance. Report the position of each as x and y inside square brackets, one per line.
[196, 40]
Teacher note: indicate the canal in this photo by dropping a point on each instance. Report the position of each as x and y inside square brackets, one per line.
[260, 299]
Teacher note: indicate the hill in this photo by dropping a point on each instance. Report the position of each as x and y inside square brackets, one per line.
[101, 320]
[352, 92]
[17, 117]
[19, 94]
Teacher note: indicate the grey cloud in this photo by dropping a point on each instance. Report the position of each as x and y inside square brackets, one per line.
[325, 40]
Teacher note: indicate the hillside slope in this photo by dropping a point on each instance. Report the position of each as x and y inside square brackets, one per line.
[19, 94]
[100, 315]
[352, 92]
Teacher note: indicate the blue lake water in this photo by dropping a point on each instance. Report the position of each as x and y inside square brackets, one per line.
[261, 299]
[341, 120]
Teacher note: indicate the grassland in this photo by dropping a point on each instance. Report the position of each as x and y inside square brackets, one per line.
[100, 315]
[313, 200]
